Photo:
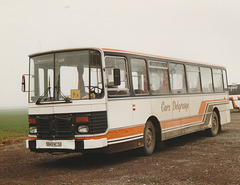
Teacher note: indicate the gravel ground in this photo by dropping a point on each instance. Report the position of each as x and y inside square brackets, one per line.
[191, 159]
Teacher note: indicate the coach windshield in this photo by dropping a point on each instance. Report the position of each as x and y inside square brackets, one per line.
[65, 76]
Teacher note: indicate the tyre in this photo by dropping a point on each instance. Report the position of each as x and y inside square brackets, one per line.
[149, 139]
[213, 131]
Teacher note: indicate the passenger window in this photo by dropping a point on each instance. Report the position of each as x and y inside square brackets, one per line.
[177, 78]
[117, 63]
[193, 79]
[218, 80]
[158, 76]
[139, 76]
[206, 78]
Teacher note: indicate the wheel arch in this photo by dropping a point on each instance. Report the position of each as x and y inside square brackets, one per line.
[157, 126]
[215, 109]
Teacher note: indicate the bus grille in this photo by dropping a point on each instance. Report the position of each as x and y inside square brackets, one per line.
[65, 127]
[97, 123]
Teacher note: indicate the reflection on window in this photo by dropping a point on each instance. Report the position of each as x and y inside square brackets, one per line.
[41, 82]
[158, 74]
[218, 80]
[193, 79]
[225, 79]
[50, 80]
[206, 78]
[65, 84]
[139, 76]
[117, 63]
[177, 78]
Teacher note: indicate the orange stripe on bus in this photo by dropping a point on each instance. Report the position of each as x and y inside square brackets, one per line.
[114, 134]
[139, 129]
[183, 121]
[92, 137]
[169, 124]
[203, 105]
[118, 133]
[32, 138]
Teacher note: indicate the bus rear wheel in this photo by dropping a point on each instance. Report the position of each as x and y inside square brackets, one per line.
[149, 139]
[213, 131]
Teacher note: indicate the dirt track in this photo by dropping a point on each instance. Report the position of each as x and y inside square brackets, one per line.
[191, 159]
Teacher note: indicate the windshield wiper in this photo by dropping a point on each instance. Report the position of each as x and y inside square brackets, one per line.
[59, 92]
[43, 95]
[47, 91]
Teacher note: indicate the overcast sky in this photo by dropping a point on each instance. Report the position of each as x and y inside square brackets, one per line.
[201, 30]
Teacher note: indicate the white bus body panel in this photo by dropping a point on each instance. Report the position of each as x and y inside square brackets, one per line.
[119, 114]
[74, 107]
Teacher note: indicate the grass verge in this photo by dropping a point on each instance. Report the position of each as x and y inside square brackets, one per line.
[13, 126]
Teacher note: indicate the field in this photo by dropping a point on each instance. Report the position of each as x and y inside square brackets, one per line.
[13, 125]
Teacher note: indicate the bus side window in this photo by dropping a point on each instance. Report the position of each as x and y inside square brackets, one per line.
[177, 78]
[218, 80]
[139, 76]
[206, 78]
[193, 79]
[121, 64]
[158, 76]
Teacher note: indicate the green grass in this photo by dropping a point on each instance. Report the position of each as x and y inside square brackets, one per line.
[13, 125]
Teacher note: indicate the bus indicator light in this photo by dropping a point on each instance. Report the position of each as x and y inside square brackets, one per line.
[82, 119]
[32, 121]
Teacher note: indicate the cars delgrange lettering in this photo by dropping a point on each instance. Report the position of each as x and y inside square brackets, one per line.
[180, 106]
[165, 107]
[176, 106]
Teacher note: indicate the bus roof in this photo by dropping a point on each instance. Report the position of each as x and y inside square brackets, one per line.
[158, 56]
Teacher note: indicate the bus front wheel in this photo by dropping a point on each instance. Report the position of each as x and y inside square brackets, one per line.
[149, 139]
[213, 131]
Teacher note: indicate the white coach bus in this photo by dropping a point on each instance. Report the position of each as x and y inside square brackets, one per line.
[111, 100]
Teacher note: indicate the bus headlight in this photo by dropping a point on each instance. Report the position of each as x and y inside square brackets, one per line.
[32, 130]
[83, 129]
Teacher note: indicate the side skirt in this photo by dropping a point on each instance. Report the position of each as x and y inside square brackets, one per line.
[119, 147]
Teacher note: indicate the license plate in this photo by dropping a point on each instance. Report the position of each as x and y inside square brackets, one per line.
[53, 144]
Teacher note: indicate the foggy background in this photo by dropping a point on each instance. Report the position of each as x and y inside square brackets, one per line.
[200, 30]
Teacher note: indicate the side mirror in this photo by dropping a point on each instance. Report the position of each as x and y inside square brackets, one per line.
[23, 84]
[117, 77]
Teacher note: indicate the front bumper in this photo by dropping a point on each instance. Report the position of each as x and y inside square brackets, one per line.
[69, 145]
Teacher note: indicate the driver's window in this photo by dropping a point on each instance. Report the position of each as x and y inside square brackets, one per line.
[121, 64]
[96, 86]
